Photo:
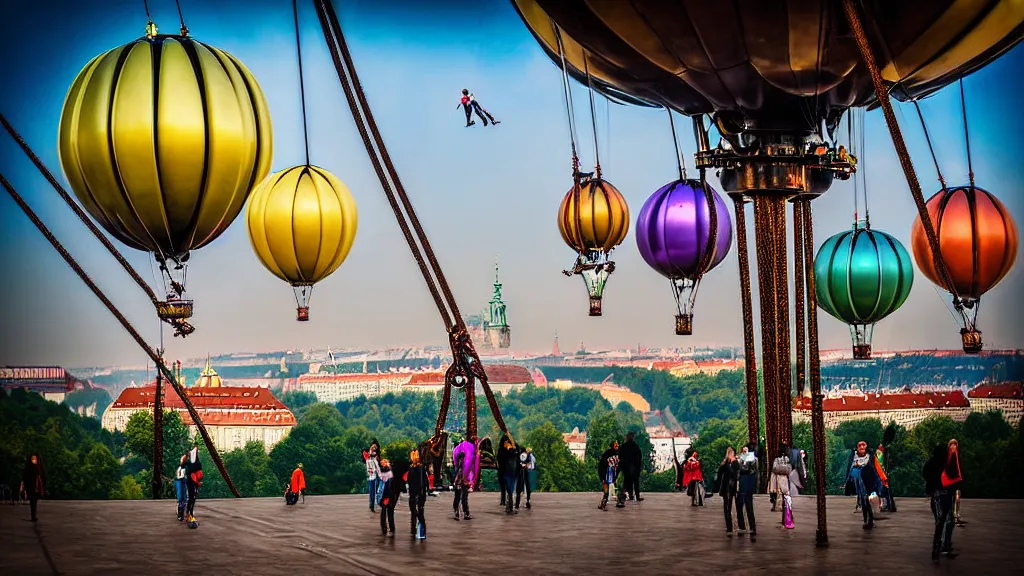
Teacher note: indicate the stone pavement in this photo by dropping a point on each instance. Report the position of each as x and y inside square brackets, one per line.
[563, 534]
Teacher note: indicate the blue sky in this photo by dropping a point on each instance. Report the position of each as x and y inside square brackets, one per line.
[479, 192]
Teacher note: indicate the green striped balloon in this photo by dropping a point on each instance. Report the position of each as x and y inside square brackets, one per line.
[863, 275]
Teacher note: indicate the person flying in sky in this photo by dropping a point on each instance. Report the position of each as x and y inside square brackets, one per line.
[469, 105]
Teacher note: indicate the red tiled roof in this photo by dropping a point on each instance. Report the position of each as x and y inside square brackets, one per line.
[224, 405]
[872, 402]
[1005, 390]
[496, 374]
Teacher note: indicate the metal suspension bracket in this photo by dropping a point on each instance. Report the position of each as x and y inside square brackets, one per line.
[790, 164]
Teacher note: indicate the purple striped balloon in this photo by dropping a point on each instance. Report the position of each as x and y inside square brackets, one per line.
[673, 226]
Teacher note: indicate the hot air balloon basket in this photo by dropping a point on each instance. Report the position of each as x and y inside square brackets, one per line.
[174, 309]
[971, 339]
[684, 324]
[302, 313]
[595, 305]
[862, 351]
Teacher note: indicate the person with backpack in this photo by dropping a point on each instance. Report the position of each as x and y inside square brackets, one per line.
[779, 484]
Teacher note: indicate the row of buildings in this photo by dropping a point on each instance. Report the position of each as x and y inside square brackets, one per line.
[909, 407]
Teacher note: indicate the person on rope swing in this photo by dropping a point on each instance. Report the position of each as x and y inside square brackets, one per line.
[693, 479]
[194, 481]
[527, 464]
[388, 500]
[181, 486]
[417, 483]
[469, 105]
[608, 472]
[864, 477]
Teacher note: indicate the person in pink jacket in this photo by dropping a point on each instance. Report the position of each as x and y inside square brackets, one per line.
[466, 466]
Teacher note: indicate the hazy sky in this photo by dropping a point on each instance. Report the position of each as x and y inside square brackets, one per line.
[479, 192]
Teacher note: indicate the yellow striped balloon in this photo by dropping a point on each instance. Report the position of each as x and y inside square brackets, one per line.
[162, 140]
[593, 217]
[302, 223]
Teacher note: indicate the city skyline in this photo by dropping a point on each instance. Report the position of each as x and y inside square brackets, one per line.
[479, 192]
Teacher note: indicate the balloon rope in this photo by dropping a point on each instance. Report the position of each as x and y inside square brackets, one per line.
[593, 115]
[675, 142]
[710, 248]
[464, 356]
[145, 5]
[302, 87]
[799, 296]
[814, 372]
[928, 140]
[881, 93]
[862, 149]
[851, 140]
[749, 354]
[967, 133]
[78, 211]
[181, 18]
[569, 108]
[125, 324]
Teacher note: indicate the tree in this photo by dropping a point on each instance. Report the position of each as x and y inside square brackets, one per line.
[127, 489]
[98, 474]
[138, 440]
[557, 469]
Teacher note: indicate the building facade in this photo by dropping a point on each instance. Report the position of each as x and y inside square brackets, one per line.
[233, 415]
[577, 443]
[907, 409]
[332, 388]
[1006, 398]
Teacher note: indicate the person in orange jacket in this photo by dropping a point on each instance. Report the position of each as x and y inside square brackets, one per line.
[299, 483]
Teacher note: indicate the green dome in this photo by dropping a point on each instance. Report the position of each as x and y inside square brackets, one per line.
[863, 275]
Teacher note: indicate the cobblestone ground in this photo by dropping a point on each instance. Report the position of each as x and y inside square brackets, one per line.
[562, 534]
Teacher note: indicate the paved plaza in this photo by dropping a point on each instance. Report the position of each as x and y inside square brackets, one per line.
[562, 534]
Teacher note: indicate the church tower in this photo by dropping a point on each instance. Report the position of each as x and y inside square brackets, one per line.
[496, 329]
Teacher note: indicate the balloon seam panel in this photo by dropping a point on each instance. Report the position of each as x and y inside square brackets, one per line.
[197, 71]
[114, 81]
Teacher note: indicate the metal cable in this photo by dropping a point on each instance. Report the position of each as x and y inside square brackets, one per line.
[126, 325]
[78, 211]
[465, 360]
[302, 83]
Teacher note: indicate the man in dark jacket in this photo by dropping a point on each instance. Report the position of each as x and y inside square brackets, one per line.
[508, 468]
[417, 482]
[942, 495]
[631, 463]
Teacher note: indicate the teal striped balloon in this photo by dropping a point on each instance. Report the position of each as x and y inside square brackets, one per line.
[862, 276]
